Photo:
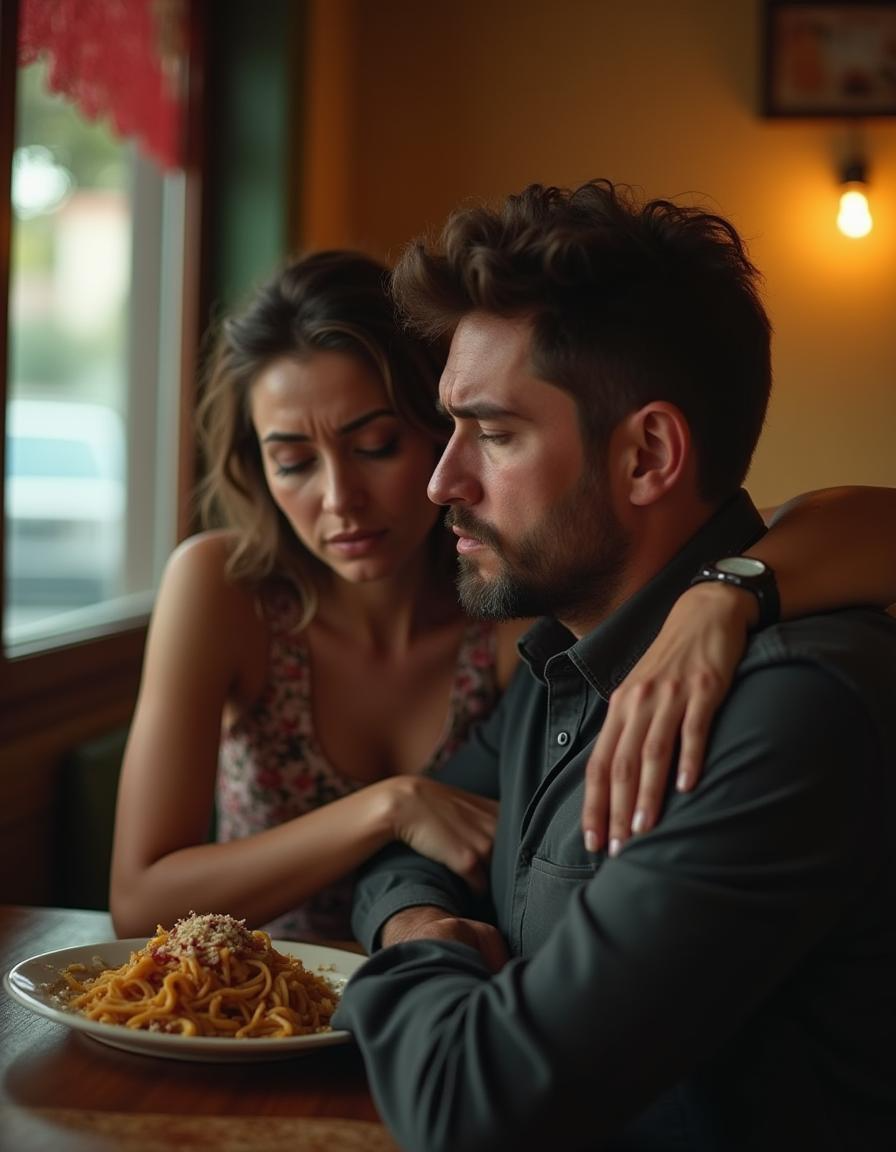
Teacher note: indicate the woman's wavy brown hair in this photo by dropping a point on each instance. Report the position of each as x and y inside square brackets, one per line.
[333, 301]
[629, 302]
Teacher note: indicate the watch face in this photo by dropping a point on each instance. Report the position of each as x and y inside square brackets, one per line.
[740, 566]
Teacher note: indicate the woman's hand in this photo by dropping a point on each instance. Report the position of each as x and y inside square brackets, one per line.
[454, 827]
[670, 696]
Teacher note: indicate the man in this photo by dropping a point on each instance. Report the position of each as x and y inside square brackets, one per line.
[726, 980]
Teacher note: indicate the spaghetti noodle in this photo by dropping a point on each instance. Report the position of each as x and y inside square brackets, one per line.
[207, 976]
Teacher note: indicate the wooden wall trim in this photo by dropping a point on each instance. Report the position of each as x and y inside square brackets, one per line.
[195, 284]
[9, 13]
[51, 688]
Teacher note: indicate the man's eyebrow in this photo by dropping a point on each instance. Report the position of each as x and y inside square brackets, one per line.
[481, 411]
[351, 426]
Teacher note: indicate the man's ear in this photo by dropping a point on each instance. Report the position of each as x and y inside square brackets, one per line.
[655, 451]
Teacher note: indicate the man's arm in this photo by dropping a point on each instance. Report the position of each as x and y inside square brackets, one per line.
[399, 878]
[655, 962]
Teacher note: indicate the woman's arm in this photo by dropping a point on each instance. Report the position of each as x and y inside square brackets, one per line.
[832, 548]
[162, 866]
[829, 549]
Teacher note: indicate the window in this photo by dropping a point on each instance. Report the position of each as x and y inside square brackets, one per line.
[90, 430]
[99, 330]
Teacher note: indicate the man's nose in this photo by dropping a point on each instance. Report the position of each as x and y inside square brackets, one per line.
[453, 481]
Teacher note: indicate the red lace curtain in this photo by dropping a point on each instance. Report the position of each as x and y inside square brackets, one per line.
[119, 60]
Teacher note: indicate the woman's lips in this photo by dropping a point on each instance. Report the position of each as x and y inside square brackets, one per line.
[351, 544]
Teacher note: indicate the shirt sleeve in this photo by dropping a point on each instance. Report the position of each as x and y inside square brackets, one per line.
[656, 961]
[399, 878]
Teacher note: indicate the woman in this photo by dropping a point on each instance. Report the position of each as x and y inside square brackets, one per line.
[308, 663]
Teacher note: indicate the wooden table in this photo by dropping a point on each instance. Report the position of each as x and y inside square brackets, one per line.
[63, 1092]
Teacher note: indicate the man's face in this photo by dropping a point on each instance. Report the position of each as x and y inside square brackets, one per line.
[536, 530]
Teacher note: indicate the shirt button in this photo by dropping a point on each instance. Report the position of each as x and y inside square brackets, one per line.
[562, 739]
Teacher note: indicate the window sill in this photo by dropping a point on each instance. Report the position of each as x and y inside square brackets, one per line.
[89, 673]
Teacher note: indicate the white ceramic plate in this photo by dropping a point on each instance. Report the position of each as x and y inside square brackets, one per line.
[31, 983]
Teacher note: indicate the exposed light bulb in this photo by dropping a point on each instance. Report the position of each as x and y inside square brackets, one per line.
[854, 217]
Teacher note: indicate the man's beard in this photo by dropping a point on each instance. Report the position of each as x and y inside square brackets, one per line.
[568, 566]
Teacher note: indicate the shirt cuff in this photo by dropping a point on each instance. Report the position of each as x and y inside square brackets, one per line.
[370, 924]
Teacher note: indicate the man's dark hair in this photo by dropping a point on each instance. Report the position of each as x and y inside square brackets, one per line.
[630, 302]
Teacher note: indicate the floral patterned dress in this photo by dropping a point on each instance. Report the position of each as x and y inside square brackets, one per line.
[272, 768]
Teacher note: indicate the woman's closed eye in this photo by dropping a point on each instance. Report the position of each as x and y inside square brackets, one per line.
[294, 467]
[378, 451]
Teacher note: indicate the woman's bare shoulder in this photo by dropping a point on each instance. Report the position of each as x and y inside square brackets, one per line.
[197, 579]
[203, 559]
[206, 551]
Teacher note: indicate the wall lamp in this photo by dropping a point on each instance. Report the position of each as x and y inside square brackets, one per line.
[854, 216]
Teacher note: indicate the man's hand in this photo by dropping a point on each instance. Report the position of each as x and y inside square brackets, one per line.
[428, 922]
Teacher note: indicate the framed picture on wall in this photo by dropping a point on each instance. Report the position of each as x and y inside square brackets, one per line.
[829, 59]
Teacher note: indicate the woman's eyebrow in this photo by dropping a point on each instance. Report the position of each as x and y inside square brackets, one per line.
[351, 426]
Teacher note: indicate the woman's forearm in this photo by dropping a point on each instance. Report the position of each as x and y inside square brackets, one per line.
[262, 876]
[258, 877]
[828, 549]
[833, 548]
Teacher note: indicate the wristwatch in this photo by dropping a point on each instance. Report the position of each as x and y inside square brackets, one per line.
[751, 575]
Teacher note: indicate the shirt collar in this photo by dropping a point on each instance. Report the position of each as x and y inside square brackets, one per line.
[607, 654]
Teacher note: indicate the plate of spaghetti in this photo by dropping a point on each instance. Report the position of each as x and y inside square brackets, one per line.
[206, 989]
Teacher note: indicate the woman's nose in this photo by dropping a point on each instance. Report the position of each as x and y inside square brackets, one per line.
[342, 491]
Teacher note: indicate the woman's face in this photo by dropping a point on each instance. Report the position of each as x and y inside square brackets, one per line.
[348, 474]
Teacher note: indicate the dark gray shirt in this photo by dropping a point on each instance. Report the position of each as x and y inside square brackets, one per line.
[728, 981]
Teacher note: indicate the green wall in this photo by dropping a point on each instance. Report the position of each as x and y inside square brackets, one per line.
[255, 82]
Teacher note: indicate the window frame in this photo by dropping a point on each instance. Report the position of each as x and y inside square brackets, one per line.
[97, 672]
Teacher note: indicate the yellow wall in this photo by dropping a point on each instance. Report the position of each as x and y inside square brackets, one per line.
[476, 98]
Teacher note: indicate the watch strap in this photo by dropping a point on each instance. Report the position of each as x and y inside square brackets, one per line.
[761, 583]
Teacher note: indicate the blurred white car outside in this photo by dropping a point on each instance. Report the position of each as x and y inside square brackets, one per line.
[65, 502]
